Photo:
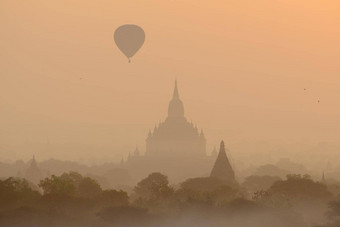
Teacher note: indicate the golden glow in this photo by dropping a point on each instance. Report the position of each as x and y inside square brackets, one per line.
[242, 67]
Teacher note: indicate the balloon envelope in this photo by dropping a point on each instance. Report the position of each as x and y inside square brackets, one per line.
[129, 38]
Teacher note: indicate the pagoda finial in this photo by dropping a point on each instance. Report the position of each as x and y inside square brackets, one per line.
[222, 145]
[176, 108]
[323, 179]
[175, 95]
[34, 162]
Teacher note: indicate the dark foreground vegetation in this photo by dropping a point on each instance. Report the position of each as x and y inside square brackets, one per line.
[74, 200]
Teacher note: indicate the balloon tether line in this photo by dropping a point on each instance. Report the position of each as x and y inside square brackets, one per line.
[129, 60]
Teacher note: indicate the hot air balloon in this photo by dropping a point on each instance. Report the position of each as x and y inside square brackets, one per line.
[129, 38]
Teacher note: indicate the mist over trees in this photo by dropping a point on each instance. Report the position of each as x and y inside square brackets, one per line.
[72, 199]
[109, 195]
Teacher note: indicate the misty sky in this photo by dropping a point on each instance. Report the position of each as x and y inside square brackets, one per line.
[247, 70]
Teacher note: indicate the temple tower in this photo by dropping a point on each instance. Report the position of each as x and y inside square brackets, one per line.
[175, 137]
[222, 169]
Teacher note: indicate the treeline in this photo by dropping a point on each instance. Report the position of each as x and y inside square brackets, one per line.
[74, 200]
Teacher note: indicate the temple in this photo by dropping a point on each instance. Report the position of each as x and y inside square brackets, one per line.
[175, 147]
[175, 137]
[222, 169]
[33, 173]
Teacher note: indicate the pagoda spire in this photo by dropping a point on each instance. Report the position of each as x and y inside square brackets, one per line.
[222, 169]
[176, 108]
[34, 163]
[176, 94]
[323, 179]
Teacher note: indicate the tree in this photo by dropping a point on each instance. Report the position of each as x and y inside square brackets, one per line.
[334, 209]
[16, 189]
[73, 176]
[155, 186]
[113, 198]
[255, 183]
[88, 188]
[71, 183]
[58, 186]
[204, 192]
[202, 184]
[300, 188]
[333, 214]
[271, 170]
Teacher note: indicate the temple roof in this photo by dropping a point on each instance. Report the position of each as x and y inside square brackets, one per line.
[222, 168]
[176, 108]
[175, 136]
[175, 94]
[176, 125]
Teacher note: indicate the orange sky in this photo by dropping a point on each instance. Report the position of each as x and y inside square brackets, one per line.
[241, 65]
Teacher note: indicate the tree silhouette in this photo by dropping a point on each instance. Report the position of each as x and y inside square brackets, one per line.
[58, 186]
[88, 188]
[153, 187]
[255, 183]
[297, 187]
[113, 198]
[13, 190]
[202, 184]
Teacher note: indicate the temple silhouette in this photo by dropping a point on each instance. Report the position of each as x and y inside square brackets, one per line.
[33, 172]
[176, 137]
[222, 169]
[178, 149]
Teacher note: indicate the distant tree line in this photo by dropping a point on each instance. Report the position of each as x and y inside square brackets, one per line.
[75, 200]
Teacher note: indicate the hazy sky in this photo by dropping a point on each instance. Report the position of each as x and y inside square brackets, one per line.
[241, 65]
